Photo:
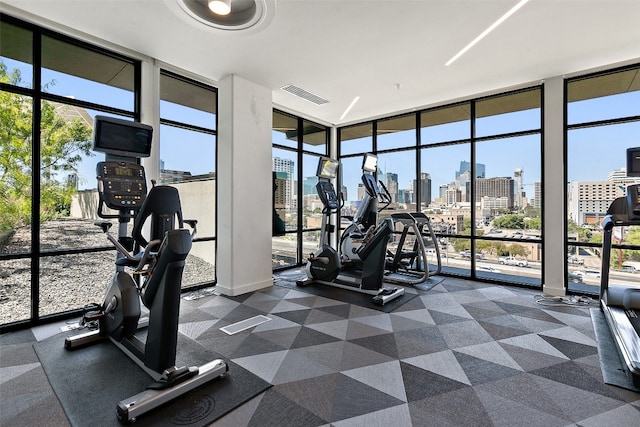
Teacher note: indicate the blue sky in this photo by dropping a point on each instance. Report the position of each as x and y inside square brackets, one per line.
[183, 150]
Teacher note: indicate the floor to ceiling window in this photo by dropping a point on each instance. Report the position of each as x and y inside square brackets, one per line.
[603, 120]
[474, 168]
[298, 145]
[188, 123]
[52, 258]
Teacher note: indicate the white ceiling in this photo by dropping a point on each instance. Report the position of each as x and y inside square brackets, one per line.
[389, 53]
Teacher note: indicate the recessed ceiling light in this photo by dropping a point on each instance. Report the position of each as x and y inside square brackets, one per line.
[231, 15]
[220, 7]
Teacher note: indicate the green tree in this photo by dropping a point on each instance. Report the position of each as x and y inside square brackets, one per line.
[533, 223]
[518, 251]
[511, 221]
[62, 144]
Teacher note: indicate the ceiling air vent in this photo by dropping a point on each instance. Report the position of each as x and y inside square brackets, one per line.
[304, 94]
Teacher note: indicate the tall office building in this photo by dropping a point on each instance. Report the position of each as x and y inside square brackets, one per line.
[518, 189]
[425, 189]
[495, 187]
[466, 166]
[537, 198]
[392, 186]
[284, 169]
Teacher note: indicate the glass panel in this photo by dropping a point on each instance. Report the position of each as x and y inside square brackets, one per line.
[186, 155]
[314, 138]
[64, 139]
[456, 261]
[446, 124]
[514, 269]
[508, 113]
[356, 139]
[596, 176]
[15, 173]
[67, 282]
[200, 266]
[285, 250]
[286, 177]
[310, 243]
[604, 97]
[285, 130]
[16, 58]
[397, 132]
[15, 290]
[352, 188]
[397, 171]
[509, 172]
[186, 102]
[445, 188]
[595, 180]
[311, 204]
[79, 73]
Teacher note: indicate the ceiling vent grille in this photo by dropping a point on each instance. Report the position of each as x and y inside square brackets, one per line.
[295, 90]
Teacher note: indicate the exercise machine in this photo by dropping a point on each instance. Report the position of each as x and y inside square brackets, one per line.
[325, 265]
[150, 340]
[366, 215]
[408, 264]
[621, 304]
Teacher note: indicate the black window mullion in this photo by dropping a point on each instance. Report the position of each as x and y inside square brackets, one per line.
[299, 198]
[417, 196]
[472, 187]
[35, 176]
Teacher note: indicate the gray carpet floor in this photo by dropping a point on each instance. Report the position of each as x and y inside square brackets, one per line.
[462, 354]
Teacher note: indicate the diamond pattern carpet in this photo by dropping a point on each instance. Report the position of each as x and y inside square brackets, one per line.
[462, 354]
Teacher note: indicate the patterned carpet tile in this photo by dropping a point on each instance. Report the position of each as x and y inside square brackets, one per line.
[463, 353]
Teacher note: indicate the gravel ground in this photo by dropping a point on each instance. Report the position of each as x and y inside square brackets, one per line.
[67, 281]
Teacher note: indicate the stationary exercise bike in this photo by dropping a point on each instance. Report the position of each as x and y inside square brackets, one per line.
[621, 304]
[407, 265]
[158, 271]
[325, 265]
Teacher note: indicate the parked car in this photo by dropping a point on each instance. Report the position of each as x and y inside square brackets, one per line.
[511, 260]
[467, 254]
[629, 269]
[572, 259]
[588, 273]
[573, 277]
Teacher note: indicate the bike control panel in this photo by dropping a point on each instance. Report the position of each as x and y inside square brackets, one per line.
[121, 185]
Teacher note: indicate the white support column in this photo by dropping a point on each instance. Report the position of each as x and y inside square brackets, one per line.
[243, 176]
[150, 115]
[554, 185]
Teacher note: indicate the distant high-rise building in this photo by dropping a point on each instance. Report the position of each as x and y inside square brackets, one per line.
[466, 166]
[588, 201]
[309, 185]
[453, 196]
[517, 188]
[392, 186]
[495, 187]
[619, 176]
[284, 169]
[361, 191]
[537, 198]
[425, 189]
